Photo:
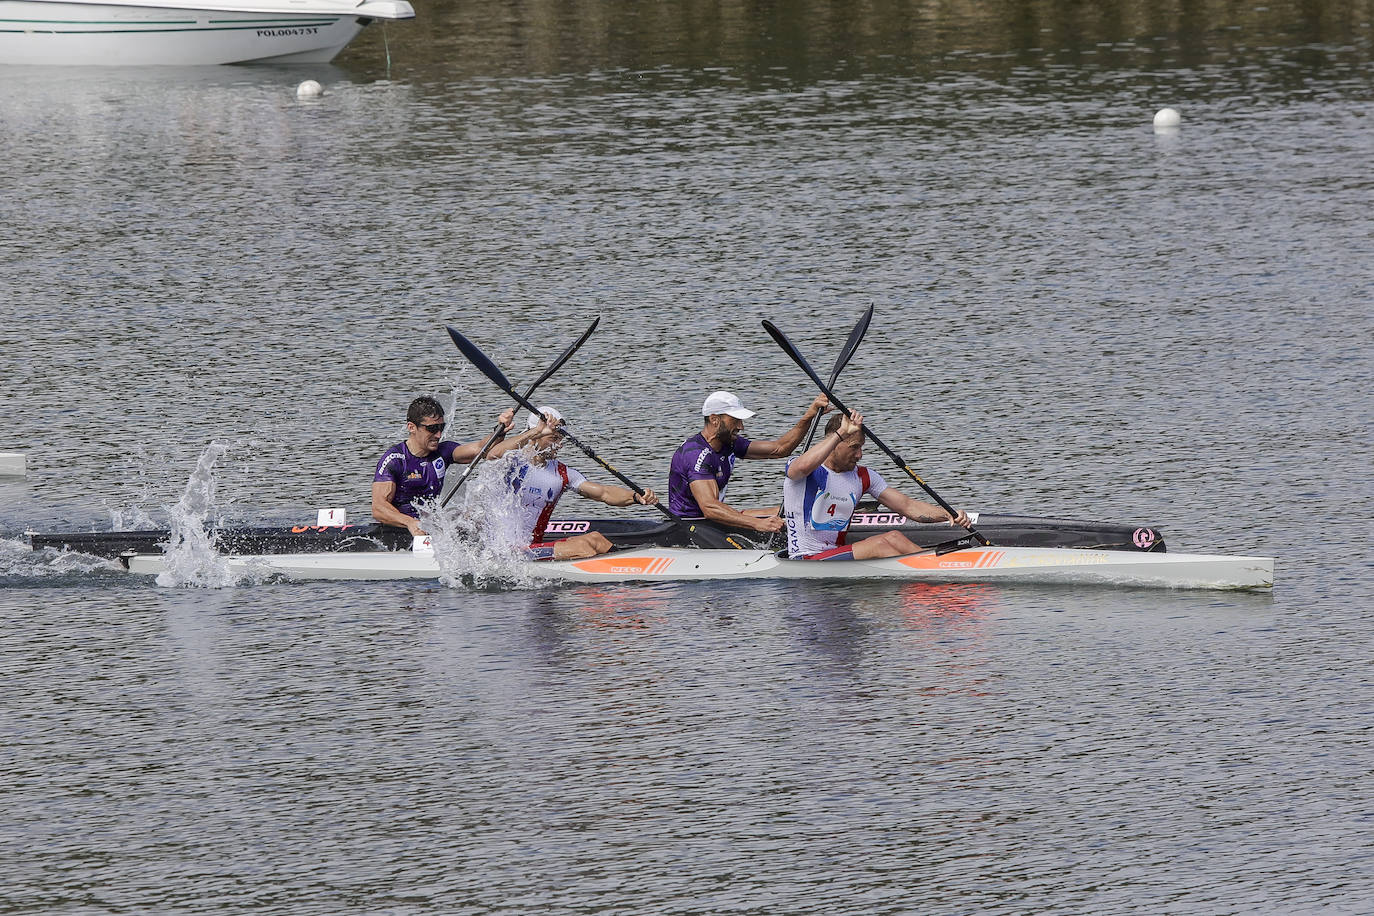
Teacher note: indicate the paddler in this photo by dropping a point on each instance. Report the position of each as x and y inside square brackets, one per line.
[414, 469]
[825, 483]
[538, 480]
[702, 465]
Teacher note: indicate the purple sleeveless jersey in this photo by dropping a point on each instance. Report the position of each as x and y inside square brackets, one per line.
[696, 460]
[415, 478]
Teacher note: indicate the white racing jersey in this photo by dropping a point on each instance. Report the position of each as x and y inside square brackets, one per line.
[818, 506]
[537, 491]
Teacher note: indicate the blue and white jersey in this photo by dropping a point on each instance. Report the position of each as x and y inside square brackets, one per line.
[537, 490]
[818, 507]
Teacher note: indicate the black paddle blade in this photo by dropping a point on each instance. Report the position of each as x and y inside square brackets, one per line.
[479, 359]
[529, 392]
[710, 537]
[852, 344]
[962, 543]
[781, 339]
[846, 354]
[567, 354]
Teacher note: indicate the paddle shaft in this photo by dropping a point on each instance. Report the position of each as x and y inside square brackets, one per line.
[529, 393]
[800, 360]
[846, 353]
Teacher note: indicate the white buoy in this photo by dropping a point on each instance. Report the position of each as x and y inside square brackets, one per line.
[309, 90]
[1167, 117]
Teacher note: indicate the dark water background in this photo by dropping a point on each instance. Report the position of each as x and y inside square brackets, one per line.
[1075, 316]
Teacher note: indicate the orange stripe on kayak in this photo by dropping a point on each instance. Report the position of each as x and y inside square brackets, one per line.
[959, 559]
[625, 566]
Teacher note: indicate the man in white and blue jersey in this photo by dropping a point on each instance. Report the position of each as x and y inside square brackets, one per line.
[826, 482]
[538, 480]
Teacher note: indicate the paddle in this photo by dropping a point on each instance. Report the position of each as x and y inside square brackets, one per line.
[800, 360]
[700, 535]
[846, 354]
[529, 393]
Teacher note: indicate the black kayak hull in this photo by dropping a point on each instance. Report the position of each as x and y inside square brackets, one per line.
[1003, 530]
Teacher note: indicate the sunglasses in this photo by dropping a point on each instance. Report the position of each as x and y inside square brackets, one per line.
[432, 427]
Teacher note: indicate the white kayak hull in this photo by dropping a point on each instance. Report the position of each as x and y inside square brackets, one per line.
[977, 564]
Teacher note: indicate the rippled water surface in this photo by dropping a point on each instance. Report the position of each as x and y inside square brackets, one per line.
[1075, 316]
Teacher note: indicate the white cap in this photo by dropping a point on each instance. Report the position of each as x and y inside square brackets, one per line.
[726, 403]
[536, 419]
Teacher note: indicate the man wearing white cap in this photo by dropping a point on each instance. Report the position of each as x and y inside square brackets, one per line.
[702, 465]
[539, 479]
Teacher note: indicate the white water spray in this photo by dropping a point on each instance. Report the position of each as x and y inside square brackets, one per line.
[19, 561]
[476, 538]
[190, 554]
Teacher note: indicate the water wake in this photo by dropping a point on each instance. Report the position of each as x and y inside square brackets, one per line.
[19, 562]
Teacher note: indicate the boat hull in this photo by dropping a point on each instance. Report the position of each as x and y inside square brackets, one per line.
[1008, 530]
[41, 33]
[1045, 565]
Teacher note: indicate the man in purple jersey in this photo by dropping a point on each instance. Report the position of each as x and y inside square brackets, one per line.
[702, 465]
[415, 469]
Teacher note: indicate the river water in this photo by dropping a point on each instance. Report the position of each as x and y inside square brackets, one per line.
[1075, 316]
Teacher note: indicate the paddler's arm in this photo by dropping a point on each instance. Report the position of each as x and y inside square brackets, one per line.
[707, 496]
[468, 451]
[615, 496]
[787, 443]
[384, 511]
[815, 456]
[514, 442]
[919, 511]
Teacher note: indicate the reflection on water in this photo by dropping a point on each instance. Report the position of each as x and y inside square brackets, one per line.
[802, 40]
[829, 620]
[634, 607]
[934, 605]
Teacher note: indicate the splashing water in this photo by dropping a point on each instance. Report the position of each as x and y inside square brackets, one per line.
[478, 544]
[19, 562]
[131, 519]
[190, 556]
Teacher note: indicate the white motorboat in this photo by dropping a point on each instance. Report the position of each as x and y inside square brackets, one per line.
[116, 33]
[1055, 565]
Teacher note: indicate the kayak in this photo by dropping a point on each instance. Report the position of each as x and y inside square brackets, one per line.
[1004, 564]
[1027, 549]
[1004, 529]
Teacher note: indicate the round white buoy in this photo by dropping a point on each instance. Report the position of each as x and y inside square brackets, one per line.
[1167, 117]
[309, 90]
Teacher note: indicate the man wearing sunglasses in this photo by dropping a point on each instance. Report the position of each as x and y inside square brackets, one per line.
[414, 469]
